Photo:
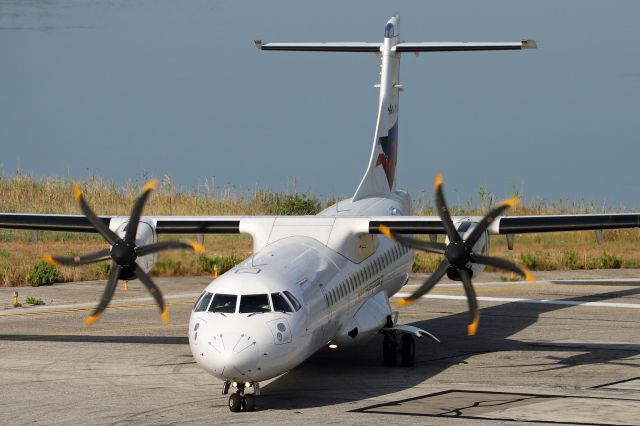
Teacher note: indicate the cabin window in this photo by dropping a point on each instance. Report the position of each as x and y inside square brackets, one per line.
[225, 303]
[294, 302]
[254, 303]
[280, 304]
[204, 302]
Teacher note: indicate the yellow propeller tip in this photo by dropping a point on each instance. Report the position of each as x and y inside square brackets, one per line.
[50, 260]
[511, 202]
[473, 327]
[529, 276]
[438, 181]
[384, 230]
[165, 316]
[91, 319]
[77, 192]
[150, 186]
[403, 303]
[197, 247]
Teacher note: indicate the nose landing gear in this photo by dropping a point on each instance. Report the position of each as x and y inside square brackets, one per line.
[240, 401]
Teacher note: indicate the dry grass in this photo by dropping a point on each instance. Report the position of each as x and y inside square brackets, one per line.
[23, 193]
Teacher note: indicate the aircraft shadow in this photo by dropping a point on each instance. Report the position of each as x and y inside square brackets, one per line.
[353, 374]
[145, 340]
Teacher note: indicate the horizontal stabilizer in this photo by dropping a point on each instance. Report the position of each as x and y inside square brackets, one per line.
[321, 47]
[462, 46]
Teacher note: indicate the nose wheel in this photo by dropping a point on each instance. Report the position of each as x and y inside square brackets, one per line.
[240, 401]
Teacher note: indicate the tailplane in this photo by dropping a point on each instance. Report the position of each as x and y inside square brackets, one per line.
[380, 177]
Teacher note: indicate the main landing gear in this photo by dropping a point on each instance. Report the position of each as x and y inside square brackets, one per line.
[240, 401]
[399, 341]
[394, 345]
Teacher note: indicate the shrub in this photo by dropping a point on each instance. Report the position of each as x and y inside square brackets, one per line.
[167, 267]
[288, 204]
[43, 274]
[33, 301]
[570, 259]
[426, 263]
[530, 261]
[207, 264]
[608, 261]
[103, 269]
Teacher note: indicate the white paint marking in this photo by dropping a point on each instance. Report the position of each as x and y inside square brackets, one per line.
[115, 303]
[536, 301]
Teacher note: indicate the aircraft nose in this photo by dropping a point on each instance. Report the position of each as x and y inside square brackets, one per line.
[232, 354]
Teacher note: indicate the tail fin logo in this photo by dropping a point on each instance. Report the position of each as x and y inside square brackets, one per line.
[387, 159]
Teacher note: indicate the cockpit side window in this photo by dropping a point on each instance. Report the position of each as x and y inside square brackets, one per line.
[294, 301]
[198, 300]
[225, 303]
[203, 302]
[253, 303]
[280, 304]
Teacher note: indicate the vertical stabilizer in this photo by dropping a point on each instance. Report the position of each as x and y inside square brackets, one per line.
[379, 179]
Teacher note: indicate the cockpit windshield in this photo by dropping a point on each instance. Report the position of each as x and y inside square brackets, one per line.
[254, 303]
[225, 303]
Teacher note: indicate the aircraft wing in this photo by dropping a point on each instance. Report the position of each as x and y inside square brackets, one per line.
[398, 224]
[512, 224]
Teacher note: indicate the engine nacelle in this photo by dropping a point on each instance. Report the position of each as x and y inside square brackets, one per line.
[146, 234]
[464, 227]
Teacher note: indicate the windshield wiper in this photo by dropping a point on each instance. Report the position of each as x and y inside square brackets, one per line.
[257, 312]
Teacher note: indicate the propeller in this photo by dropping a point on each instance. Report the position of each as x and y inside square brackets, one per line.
[458, 254]
[123, 253]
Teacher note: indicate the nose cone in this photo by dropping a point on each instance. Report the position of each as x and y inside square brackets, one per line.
[229, 355]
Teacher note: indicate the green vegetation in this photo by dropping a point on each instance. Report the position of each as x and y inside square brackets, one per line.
[33, 301]
[103, 269]
[43, 274]
[23, 193]
[208, 264]
[168, 267]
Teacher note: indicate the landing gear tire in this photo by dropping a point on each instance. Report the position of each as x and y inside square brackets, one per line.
[408, 350]
[389, 351]
[249, 402]
[235, 402]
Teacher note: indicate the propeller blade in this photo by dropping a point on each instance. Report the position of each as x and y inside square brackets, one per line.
[443, 211]
[427, 285]
[471, 299]
[154, 290]
[413, 243]
[78, 260]
[496, 262]
[97, 223]
[169, 245]
[109, 290]
[136, 211]
[486, 221]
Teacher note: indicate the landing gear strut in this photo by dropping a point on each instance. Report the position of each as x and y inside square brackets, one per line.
[395, 344]
[240, 401]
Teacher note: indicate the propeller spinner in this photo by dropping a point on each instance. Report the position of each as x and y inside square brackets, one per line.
[123, 252]
[458, 254]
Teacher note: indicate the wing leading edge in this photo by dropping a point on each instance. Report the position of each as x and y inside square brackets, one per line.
[397, 224]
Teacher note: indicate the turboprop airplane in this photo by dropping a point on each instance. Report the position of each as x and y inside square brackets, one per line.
[321, 280]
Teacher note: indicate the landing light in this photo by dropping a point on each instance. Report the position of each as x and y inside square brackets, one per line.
[333, 346]
[247, 384]
[234, 384]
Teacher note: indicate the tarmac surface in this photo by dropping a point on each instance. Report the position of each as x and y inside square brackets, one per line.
[563, 350]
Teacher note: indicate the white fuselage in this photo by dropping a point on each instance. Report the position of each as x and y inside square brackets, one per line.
[343, 298]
